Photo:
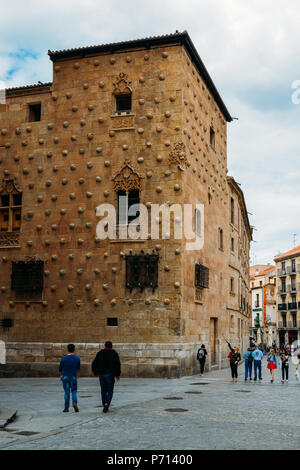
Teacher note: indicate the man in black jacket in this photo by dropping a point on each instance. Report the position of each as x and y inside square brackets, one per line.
[107, 366]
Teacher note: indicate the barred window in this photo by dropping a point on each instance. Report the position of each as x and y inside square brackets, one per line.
[201, 276]
[142, 271]
[27, 276]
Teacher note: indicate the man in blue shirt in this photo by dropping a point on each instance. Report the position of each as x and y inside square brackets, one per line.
[257, 355]
[68, 367]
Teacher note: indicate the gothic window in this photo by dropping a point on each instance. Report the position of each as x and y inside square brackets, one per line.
[122, 94]
[201, 276]
[142, 271]
[123, 103]
[10, 207]
[27, 277]
[126, 200]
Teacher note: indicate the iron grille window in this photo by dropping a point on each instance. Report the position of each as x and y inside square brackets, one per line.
[27, 276]
[201, 276]
[142, 271]
[112, 321]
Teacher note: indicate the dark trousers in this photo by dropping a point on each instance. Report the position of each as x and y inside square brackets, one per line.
[286, 369]
[234, 372]
[107, 382]
[202, 365]
[248, 369]
[257, 365]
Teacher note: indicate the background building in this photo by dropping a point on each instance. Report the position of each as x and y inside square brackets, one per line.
[288, 297]
[139, 120]
[263, 303]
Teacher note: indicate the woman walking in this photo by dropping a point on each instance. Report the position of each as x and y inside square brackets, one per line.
[272, 363]
[285, 366]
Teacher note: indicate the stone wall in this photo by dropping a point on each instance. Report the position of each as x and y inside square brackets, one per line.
[137, 359]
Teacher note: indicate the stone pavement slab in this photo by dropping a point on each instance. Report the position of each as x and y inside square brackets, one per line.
[7, 415]
[221, 415]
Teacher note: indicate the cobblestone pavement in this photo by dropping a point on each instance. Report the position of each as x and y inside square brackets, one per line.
[222, 415]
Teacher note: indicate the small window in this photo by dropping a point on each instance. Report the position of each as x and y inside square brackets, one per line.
[6, 323]
[212, 138]
[232, 244]
[123, 103]
[5, 201]
[17, 199]
[112, 321]
[232, 210]
[231, 285]
[197, 216]
[201, 276]
[34, 112]
[220, 239]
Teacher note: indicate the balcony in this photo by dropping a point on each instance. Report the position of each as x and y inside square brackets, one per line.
[292, 305]
[281, 272]
[282, 307]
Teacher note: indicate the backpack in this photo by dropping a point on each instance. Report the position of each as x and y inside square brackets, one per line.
[250, 357]
[200, 354]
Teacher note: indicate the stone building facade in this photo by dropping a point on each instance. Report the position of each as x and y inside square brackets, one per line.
[288, 296]
[135, 122]
[263, 294]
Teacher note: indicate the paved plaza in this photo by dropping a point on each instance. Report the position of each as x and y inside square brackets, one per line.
[217, 414]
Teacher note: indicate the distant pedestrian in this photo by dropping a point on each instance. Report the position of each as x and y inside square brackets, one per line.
[285, 366]
[235, 358]
[201, 357]
[68, 367]
[248, 364]
[272, 363]
[257, 355]
[107, 366]
[297, 368]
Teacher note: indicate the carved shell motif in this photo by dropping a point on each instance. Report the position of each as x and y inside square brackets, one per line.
[178, 155]
[127, 178]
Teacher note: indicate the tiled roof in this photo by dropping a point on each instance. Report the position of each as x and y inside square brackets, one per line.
[25, 87]
[294, 251]
[175, 38]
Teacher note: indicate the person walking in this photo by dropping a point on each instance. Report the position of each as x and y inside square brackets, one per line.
[248, 364]
[107, 367]
[284, 366]
[201, 357]
[272, 363]
[68, 367]
[257, 355]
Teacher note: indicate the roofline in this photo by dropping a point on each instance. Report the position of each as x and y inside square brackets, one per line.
[231, 180]
[30, 89]
[286, 256]
[146, 43]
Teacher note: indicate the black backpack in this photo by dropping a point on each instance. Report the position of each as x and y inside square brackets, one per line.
[250, 357]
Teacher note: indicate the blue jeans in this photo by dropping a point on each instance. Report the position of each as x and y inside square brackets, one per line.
[107, 382]
[248, 369]
[257, 365]
[70, 384]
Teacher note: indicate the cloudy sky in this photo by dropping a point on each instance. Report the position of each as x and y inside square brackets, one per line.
[251, 49]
